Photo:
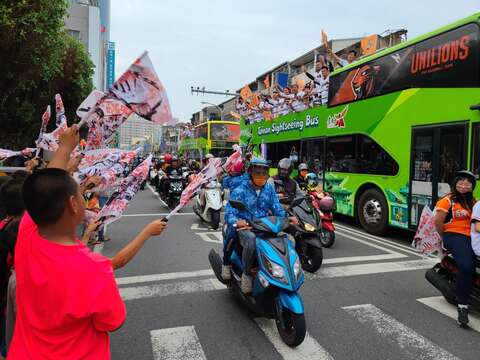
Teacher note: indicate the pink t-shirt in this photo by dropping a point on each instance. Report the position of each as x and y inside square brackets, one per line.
[67, 300]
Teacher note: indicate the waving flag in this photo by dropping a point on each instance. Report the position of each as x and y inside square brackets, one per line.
[45, 119]
[60, 118]
[232, 159]
[5, 153]
[50, 141]
[138, 90]
[207, 174]
[120, 199]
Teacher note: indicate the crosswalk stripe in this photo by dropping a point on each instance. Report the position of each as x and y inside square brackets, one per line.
[441, 305]
[177, 288]
[162, 277]
[414, 344]
[176, 344]
[309, 349]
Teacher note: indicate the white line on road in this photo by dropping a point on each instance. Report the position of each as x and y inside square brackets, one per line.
[349, 259]
[162, 277]
[367, 269]
[415, 345]
[177, 288]
[158, 214]
[211, 236]
[157, 195]
[441, 305]
[176, 344]
[309, 349]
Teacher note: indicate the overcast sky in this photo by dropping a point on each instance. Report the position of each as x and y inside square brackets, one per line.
[222, 44]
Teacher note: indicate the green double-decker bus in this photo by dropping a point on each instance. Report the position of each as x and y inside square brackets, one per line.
[397, 126]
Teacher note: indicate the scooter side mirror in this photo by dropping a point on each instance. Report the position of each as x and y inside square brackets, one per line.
[238, 205]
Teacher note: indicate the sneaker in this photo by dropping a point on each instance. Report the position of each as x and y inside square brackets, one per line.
[246, 284]
[462, 317]
[226, 272]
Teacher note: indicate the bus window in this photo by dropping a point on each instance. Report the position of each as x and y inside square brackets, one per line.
[341, 154]
[358, 154]
[373, 159]
[312, 154]
[476, 149]
[280, 150]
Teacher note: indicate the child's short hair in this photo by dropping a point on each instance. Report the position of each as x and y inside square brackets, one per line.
[11, 197]
[45, 194]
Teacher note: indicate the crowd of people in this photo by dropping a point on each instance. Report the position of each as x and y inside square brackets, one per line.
[49, 278]
[294, 98]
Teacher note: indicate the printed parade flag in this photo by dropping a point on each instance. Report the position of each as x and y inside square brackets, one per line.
[127, 189]
[233, 159]
[97, 162]
[138, 90]
[50, 141]
[5, 153]
[45, 119]
[427, 240]
[60, 118]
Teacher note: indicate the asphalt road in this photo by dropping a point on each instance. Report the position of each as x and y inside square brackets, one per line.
[368, 301]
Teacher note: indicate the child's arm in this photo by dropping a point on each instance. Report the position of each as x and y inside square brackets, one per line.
[124, 256]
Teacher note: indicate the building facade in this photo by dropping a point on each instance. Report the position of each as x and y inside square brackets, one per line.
[88, 21]
[136, 131]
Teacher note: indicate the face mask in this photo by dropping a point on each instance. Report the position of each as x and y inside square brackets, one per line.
[259, 179]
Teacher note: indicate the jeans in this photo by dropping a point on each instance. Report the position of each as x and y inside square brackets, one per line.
[461, 248]
[249, 244]
[230, 237]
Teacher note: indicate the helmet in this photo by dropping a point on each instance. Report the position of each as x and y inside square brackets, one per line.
[174, 158]
[237, 167]
[209, 156]
[284, 164]
[465, 174]
[302, 166]
[312, 181]
[326, 204]
[258, 162]
[168, 158]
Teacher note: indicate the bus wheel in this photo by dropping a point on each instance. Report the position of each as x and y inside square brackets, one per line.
[373, 211]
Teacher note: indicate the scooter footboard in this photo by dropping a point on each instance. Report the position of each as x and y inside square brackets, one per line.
[292, 301]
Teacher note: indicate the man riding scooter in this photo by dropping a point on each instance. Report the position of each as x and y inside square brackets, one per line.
[261, 200]
[286, 188]
[174, 166]
[301, 178]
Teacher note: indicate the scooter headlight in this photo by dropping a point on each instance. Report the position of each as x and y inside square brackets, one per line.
[297, 269]
[309, 227]
[274, 269]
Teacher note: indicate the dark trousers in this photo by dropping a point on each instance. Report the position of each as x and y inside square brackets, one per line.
[461, 248]
[248, 241]
[229, 239]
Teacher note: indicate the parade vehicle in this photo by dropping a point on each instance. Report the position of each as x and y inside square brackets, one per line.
[215, 137]
[397, 126]
[277, 279]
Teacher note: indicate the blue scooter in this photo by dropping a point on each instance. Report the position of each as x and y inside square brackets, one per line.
[276, 280]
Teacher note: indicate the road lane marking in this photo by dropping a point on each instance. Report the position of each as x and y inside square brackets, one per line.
[211, 236]
[349, 259]
[176, 344]
[177, 288]
[415, 345]
[441, 305]
[162, 277]
[309, 349]
[374, 268]
[157, 195]
[158, 214]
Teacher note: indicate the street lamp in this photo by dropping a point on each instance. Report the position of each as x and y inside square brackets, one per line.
[218, 107]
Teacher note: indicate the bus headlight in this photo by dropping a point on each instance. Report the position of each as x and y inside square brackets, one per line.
[274, 269]
[297, 269]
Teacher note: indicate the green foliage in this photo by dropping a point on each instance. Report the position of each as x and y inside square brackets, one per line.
[38, 60]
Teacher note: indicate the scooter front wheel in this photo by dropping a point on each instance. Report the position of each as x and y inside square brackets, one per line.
[291, 327]
[311, 258]
[327, 238]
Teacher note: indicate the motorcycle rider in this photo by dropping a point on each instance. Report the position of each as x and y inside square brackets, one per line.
[171, 164]
[261, 200]
[301, 177]
[453, 222]
[286, 188]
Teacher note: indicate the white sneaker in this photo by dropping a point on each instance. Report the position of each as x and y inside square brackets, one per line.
[246, 284]
[226, 272]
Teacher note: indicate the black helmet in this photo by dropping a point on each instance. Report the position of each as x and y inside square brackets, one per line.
[285, 164]
[465, 174]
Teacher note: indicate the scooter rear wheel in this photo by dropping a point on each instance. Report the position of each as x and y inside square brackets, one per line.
[295, 328]
[311, 258]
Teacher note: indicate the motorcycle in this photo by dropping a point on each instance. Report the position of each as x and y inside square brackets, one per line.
[324, 204]
[307, 234]
[210, 210]
[276, 281]
[443, 276]
[175, 188]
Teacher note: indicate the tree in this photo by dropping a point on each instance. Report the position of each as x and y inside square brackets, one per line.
[38, 60]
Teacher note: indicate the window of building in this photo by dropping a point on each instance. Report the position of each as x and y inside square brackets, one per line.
[74, 34]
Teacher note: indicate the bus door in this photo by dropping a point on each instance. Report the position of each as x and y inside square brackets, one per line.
[437, 153]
